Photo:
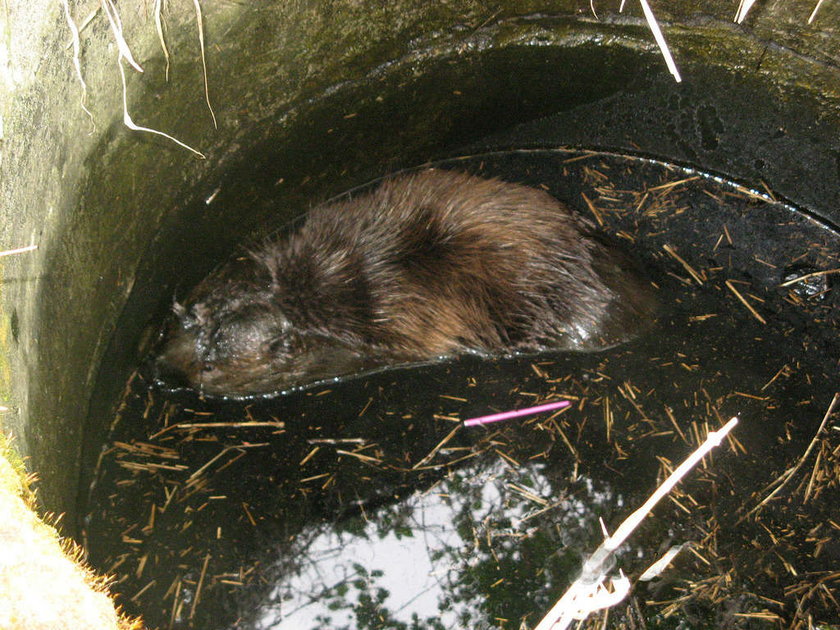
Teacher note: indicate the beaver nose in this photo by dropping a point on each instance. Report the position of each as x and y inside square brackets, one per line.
[168, 375]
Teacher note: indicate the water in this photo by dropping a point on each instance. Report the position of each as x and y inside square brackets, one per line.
[362, 503]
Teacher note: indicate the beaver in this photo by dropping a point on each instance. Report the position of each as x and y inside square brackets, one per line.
[430, 264]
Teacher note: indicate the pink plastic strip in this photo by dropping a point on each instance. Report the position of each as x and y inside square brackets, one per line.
[505, 415]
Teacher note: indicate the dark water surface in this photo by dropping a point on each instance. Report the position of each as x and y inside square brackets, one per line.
[364, 504]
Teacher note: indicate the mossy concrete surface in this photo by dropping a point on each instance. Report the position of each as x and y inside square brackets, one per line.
[96, 197]
[34, 560]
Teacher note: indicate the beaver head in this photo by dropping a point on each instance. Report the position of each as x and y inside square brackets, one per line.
[247, 347]
[220, 351]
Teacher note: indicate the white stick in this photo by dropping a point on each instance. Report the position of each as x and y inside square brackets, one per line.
[588, 593]
[19, 250]
[660, 40]
[743, 8]
[814, 12]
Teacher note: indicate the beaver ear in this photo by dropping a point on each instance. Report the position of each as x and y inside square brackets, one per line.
[187, 318]
[263, 258]
[200, 313]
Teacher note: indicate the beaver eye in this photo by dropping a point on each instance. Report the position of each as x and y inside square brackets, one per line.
[278, 345]
[208, 367]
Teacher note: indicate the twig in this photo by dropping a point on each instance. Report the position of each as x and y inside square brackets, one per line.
[660, 40]
[659, 37]
[19, 250]
[588, 593]
[660, 565]
[712, 440]
[672, 252]
[673, 420]
[362, 458]
[790, 472]
[807, 276]
[782, 370]
[191, 480]
[814, 12]
[673, 184]
[439, 446]
[593, 209]
[200, 584]
[743, 301]
[743, 8]
[236, 425]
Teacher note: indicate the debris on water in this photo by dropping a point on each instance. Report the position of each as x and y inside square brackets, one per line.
[287, 511]
[516, 413]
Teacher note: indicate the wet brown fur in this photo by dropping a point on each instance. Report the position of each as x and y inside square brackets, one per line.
[429, 264]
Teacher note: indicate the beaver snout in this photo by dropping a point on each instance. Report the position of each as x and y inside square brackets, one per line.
[164, 373]
[178, 364]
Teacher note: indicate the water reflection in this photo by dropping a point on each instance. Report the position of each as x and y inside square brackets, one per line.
[437, 551]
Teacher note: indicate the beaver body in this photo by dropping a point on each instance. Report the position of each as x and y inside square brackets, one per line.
[430, 264]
